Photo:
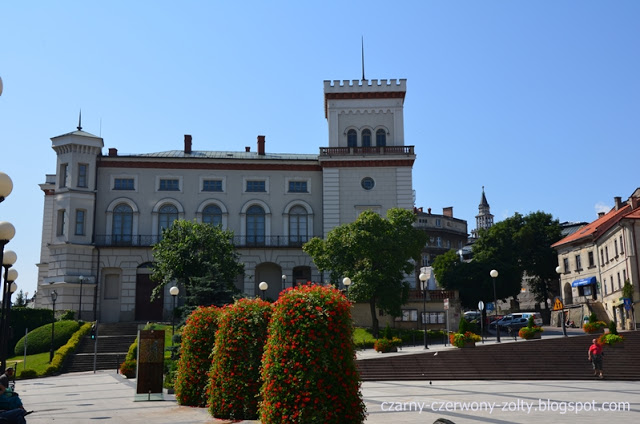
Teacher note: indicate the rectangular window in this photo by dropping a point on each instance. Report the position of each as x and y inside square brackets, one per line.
[606, 253]
[408, 315]
[624, 275]
[212, 185]
[438, 241]
[256, 186]
[604, 284]
[80, 215]
[425, 260]
[601, 256]
[62, 216]
[82, 175]
[584, 290]
[621, 246]
[123, 184]
[298, 187]
[169, 185]
[438, 222]
[578, 263]
[565, 263]
[619, 282]
[615, 246]
[591, 260]
[64, 174]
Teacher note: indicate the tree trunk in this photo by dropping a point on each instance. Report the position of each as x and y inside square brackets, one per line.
[374, 318]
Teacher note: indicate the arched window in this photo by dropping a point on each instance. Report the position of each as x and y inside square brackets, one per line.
[298, 226]
[366, 138]
[352, 138]
[212, 214]
[255, 225]
[381, 138]
[122, 228]
[166, 216]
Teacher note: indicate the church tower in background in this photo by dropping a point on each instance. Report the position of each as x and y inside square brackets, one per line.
[484, 219]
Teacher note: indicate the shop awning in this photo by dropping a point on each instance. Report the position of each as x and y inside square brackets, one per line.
[584, 282]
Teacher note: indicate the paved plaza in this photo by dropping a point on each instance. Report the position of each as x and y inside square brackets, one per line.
[108, 397]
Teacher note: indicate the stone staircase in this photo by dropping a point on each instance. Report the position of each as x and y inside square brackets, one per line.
[560, 358]
[113, 343]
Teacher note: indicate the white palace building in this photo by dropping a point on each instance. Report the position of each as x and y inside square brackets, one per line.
[103, 212]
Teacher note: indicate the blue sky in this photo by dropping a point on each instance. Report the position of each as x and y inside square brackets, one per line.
[538, 101]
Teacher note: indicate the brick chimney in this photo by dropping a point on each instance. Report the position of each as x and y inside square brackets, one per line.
[261, 145]
[618, 202]
[247, 149]
[187, 144]
[600, 214]
[448, 211]
[113, 151]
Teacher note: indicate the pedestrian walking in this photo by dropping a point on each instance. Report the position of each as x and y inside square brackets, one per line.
[596, 358]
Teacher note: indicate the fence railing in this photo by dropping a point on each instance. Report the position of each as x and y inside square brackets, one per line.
[377, 150]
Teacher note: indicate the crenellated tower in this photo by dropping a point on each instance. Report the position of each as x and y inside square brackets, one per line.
[367, 164]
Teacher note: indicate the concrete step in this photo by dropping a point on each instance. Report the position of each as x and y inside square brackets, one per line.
[546, 359]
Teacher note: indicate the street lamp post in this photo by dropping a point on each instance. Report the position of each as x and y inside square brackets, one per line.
[564, 326]
[494, 275]
[423, 285]
[284, 281]
[6, 186]
[263, 286]
[174, 291]
[81, 279]
[346, 281]
[8, 288]
[54, 296]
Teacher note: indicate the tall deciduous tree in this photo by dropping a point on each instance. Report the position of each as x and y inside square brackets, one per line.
[201, 258]
[376, 254]
[518, 246]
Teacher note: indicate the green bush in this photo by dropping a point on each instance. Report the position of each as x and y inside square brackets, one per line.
[23, 319]
[39, 340]
[28, 373]
[308, 371]
[198, 337]
[69, 347]
[237, 357]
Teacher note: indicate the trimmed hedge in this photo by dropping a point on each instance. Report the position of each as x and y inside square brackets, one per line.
[23, 319]
[198, 337]
[309, 368]
[39, 340]
[61, 354]
[237, 356]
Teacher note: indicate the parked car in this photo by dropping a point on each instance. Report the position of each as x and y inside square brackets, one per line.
[537, 318]
[516, 324]
[472, 316]
[505, 321]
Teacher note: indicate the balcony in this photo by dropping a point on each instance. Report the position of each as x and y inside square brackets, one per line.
[360, 151]
[415, 295]
[238, 241]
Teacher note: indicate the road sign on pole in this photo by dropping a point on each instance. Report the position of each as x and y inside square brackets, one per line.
[446, 304]
[557, 304]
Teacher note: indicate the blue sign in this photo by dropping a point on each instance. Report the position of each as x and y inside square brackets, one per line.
[627, 303]
[490, 306]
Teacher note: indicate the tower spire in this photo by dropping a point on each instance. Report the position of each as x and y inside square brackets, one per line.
[80, 121]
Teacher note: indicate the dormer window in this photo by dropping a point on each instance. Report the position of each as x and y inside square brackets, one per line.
[381, 138]
[366, 138]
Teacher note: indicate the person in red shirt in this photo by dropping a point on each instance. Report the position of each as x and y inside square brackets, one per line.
[595, 356]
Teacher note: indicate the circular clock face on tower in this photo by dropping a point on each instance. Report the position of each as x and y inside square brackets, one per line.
[367, 183]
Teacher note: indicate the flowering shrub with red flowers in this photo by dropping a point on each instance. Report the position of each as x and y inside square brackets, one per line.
[237, 357]
[308, 369]
[198, 336]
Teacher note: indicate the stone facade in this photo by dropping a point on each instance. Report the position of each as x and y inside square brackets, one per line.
[103, 212]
